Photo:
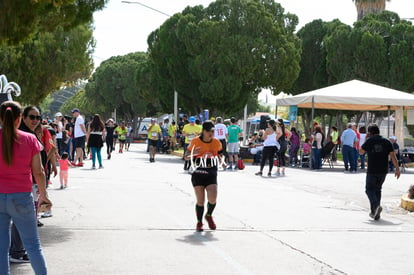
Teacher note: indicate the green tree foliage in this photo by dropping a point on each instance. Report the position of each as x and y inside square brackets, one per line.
[122, 82]
[378, 50]
[20, 19]
[313, 74]
[217, 57]
[43, 63]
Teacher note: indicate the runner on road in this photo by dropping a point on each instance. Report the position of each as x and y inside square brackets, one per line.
[205, 154]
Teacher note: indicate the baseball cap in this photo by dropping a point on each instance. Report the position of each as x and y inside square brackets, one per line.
[208, 125]
[393, 137]
[192, 119]
[58, 114]
[75, 110]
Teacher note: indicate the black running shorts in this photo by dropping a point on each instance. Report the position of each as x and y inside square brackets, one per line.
[204, 177]
[152, 142]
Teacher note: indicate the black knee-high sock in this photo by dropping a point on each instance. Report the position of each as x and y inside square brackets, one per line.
[199, 212]
[210, 208]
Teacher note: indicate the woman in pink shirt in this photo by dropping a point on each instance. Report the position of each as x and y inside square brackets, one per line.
[19, 161]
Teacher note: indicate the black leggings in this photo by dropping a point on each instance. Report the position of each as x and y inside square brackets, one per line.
[281, 155]
[268, 154]
[109, 145]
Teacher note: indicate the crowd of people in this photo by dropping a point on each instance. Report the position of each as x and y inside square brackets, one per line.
[33, 151]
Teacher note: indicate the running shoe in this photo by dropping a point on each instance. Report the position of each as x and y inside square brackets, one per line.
[210, 222]
[21, 259]
[47, 214]
[259, 173]
[377, 214]
[199, 227]
[79, 164]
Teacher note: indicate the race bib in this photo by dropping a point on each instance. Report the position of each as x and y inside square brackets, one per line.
[190, 137]
[154, 134]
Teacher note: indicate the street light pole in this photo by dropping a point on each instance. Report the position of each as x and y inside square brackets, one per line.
[175, 92]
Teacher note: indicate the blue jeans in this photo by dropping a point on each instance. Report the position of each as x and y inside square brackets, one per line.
[373, 186]
[362, 158]
[96, 152]
[19, 207]
[316, 158]
[348, 154]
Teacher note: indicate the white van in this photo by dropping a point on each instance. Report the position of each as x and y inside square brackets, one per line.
[142, 128]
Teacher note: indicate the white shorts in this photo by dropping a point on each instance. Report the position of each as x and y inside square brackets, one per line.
[233, 148]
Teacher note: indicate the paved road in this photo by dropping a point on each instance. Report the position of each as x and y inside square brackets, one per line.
[136, 217]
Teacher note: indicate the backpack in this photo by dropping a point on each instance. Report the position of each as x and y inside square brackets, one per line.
[240, 164]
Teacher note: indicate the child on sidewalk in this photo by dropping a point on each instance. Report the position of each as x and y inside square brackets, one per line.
[64, 164]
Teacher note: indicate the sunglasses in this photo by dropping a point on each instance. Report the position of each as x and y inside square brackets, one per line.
[33, 117]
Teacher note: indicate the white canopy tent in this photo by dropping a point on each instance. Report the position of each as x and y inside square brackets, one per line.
[356, 95]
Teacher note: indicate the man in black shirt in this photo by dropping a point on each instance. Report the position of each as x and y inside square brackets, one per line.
[378, 150]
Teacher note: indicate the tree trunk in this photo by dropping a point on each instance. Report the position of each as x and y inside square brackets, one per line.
[365, 7]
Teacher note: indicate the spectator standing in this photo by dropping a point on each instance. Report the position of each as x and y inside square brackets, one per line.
[20, 160]
[95, 138]
[396, 148]
[356, 145]
[317, 138]
[80, 137]
[335, 140]
[362, 138]
[379, 150]
[282, 137]
[233, 134]
[270, 148]
[294, 147]
[59, 132]
[348, 139]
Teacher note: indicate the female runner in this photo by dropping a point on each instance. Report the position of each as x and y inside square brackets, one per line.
[204, 153]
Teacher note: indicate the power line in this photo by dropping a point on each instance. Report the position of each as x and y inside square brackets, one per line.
[148, 7]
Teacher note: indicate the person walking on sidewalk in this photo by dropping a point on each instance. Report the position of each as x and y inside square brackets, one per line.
[154, 132]
[234, 132]
[95, 138]
[80, 137]
[20, 161]
[378, 150]
[204, 152]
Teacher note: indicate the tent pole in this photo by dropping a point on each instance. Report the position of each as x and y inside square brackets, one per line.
[276, 110]
[389, 113]
[313, 110]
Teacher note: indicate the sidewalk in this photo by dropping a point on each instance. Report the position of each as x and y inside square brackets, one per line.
[136, 217]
